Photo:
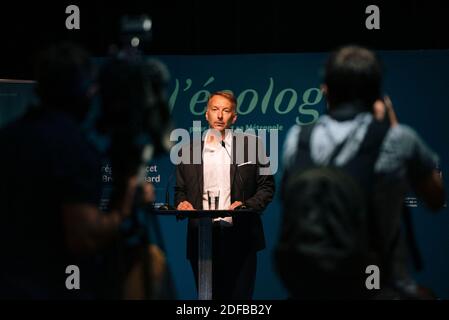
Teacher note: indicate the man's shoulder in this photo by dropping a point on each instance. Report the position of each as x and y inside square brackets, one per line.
[401, 145]
[243, 134]
[401, 138]
[246, 137]
[191, 146]
[188, 151]
[293, 131]
[402, 132]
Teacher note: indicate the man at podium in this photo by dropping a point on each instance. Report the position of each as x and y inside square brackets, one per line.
[230, 175]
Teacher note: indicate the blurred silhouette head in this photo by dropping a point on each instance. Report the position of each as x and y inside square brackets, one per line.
[64, 79]
[352, 75]
[133, 100]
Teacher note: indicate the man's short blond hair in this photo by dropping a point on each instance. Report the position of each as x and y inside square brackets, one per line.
[225, 94]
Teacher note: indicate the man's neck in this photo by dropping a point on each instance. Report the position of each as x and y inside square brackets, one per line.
[211, 137]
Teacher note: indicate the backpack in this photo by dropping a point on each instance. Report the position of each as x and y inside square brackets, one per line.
[327, 228]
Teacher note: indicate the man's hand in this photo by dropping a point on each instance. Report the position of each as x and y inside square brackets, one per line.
[148, 194]
[185, 205]
[235, 204]
[431, 190]
[125, 209]
[384, 109]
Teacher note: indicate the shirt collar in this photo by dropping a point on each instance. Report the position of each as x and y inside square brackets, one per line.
[227, 140]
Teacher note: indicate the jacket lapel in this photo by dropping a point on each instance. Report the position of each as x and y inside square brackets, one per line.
[199, 174]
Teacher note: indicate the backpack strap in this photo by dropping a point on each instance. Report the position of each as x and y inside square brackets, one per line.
[362, 167]
[374, 137]
[366, 156]
[303, 156]
[338, 148]
[362, 164]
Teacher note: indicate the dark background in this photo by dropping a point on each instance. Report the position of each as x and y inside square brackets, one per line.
[221, 27]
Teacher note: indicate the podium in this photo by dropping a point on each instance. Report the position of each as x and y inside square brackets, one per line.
[204, 242]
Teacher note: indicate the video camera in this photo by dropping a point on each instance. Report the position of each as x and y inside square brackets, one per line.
[134, 108]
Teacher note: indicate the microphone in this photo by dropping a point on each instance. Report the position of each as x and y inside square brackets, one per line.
[242, 206]
[166, 205]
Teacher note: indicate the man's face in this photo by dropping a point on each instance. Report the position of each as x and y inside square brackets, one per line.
[220, 114]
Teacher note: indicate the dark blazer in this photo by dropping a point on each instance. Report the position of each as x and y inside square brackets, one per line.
[246, 234]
